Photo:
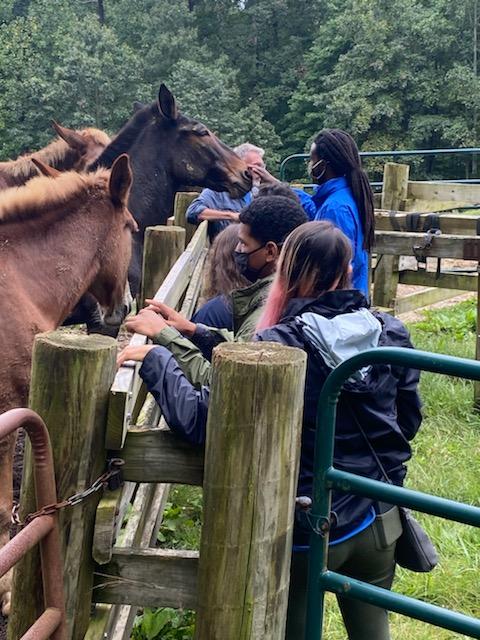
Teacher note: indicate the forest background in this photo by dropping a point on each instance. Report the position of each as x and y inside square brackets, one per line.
[396, 75]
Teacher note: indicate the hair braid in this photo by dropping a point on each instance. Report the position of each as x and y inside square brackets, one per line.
[338, 148]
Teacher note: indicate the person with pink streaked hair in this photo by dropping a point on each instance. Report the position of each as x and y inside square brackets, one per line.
[312, 306]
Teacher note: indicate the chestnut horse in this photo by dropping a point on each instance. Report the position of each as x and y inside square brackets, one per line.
[59, 238]
[168, 150]
[72, 150]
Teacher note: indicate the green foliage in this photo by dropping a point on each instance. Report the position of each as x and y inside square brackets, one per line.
[164, 624]
[181, 519]
[369, 71]
[273, 72]
[453, 322]
[58, 65]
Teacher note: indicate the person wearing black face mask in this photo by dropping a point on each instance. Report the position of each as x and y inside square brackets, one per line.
[343, 196]
[264, 226]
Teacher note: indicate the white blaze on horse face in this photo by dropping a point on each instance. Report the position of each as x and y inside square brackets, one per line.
[190, 168]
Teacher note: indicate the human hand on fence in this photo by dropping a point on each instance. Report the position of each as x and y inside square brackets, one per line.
[147, 322]
[172, 317]
[136, 353]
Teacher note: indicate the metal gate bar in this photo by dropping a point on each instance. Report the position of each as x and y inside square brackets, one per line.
[43, 529]
[327, 478]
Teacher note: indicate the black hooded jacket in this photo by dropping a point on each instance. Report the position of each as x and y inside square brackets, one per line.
[385, 403]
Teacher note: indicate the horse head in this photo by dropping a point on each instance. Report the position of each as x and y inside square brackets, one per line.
[197, 156]
[87, 144]
[109, 285]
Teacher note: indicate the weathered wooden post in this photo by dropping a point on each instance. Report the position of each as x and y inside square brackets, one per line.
[394, 193]
[251, 469]
[183, 199]
[71, 378]
[163, 245]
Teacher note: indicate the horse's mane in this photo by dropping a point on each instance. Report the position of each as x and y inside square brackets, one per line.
[124, 139]
[52, 154]
[44, 193]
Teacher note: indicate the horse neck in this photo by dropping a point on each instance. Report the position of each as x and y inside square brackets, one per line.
[57, 155]
[151, 197]
[67, 254]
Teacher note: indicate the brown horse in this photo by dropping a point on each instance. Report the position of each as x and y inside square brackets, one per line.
[72, 150]
[59, 238]
[168, 150]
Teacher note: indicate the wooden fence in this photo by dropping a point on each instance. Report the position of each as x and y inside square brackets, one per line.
[93, 413]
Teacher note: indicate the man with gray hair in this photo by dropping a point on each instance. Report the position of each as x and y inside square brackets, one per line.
[217, 206]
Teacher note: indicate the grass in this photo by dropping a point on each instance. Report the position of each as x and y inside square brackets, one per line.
[446, 462]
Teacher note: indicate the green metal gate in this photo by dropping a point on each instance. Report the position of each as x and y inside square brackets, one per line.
[328, 478]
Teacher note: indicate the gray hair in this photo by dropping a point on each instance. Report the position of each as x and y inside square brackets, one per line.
[242, 150]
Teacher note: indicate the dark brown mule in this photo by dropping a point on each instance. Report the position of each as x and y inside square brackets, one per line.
[72, 150]
[168, 150]
[59, 238]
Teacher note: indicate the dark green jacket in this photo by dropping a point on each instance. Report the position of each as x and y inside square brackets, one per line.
[194, 355]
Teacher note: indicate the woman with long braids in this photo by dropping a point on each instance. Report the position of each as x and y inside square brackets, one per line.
[311, 306]
[344, 196]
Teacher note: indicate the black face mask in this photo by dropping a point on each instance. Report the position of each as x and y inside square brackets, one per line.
[242, 262]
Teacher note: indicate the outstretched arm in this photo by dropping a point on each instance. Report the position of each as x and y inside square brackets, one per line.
[184, 408]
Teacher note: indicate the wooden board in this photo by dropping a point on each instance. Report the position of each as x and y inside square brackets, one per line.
[156, 455]
[443, 193]
[420, 299]
[443, 246]
[127, 383]
[149, 578]
[454, 224]
[457, 281]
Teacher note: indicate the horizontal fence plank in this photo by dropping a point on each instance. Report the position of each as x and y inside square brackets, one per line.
[444, 191]
[443, 246]
[455, 224]
[156, 455]
[457, 281]
[148, 578]
[420, 299]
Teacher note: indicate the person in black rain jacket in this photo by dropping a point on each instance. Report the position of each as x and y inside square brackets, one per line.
[311, 307]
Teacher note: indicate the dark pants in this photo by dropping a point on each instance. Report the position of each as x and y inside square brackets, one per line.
[368, 556]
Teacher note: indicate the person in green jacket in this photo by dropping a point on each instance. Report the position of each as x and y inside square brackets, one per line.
[264, 226]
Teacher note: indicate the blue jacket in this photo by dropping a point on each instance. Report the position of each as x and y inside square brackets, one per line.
[333, 201]
[221, 201]
[385, 402]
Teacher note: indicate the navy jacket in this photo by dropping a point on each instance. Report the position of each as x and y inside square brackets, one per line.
[216, 312]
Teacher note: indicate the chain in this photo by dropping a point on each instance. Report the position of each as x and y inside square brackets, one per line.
[113, 470]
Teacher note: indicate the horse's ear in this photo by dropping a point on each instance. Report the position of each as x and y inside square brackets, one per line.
[120, 180]
[138, 106]
[45, 169]
[166, 103]
[71, 137]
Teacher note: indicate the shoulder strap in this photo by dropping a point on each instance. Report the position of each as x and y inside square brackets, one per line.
[365, 437]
